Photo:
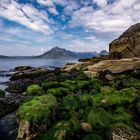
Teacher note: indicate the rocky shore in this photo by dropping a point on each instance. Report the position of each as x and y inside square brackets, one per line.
[98, 99]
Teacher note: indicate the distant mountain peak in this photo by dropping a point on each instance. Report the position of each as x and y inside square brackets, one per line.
[103, 52]
[58, 52]
[56, 47]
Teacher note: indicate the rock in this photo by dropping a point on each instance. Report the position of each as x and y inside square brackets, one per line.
[2, 93]
[127, 45]
[31, 73]
[20, 81]
[35, 90]
[109, 77]
[95, 59]
[8, 127]
[35, 116]
[125, 134]
[10, 103]
[112, 66]
[22, 68]
[86, 127]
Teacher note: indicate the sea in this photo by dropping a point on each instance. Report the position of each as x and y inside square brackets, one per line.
[10, 63]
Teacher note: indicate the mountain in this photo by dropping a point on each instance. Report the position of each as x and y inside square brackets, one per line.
[57, 52]
[103, 52]
[2, 56]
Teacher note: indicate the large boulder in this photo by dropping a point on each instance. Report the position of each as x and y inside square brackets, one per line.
[127, 45]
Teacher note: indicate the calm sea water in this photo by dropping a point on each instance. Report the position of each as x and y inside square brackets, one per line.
[6, 64]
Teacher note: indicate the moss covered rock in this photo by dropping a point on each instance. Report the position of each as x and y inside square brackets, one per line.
[99, 117]
[69, 102]
[35, 114]
[22, 68]
[35, 90]
[69, 84]
[48, 85]
[85, 100]
[59, 131]
[2, 93]
[59, 92]
[107, 89]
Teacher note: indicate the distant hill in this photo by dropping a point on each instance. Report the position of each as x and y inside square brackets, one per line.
[57, 52]
[2, 56]
[103, 52]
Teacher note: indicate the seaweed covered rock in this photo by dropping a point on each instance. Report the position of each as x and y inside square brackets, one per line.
[59, 92]
[69, 102]
[2, 93]
[71, 85]
[51, 84]
[35, 90]
[59, 131]
[22, 68]
[81, 108]
[35, 116]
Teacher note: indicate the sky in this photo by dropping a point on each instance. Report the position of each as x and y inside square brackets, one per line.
[32, 27]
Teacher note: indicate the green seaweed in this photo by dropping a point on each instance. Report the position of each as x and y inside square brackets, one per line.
[35, 90]
[2, 93]
[37, 109]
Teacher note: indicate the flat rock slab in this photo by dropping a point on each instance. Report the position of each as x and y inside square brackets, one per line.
[114, 66]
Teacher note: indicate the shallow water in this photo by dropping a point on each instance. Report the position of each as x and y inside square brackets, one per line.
[6, 63]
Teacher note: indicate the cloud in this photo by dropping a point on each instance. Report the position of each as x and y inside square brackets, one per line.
[100, 3]
[111, 18]
[87, 44]
[26, 15]
[45, 2]
[71, 6]
[50, 6]
[53, 10]
[61, 2]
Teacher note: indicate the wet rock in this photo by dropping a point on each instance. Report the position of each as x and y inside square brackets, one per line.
[10, 103]
[2, 93]
[8, 127]
[22, 68]
[125, 134]
[86, 127]
[20, 81]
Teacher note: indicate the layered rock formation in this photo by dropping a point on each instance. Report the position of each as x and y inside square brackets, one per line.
[114, 66]
[127, 45]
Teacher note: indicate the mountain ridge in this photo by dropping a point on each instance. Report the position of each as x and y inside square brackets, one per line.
[58, 53]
